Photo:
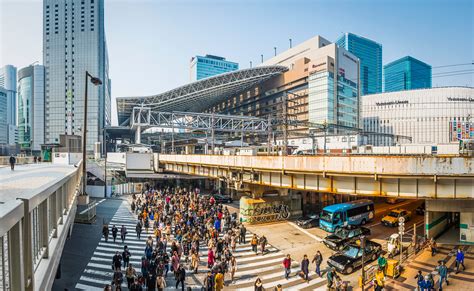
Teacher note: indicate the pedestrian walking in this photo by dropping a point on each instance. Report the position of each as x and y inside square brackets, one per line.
[379, 279]
[105, 232]
[12, 161]
[426, 284]
[180, 278]
[138, 229]
[136, 286]
[117, 262]
[209, 282]
[254, 243]
[126, 256]
[459, 260]
[382, 262]
[195, 261]
[243, 233]
[433, 246]
[443, 274]
[330, 276]
[160, 283]
[219, 281]
[130, 275]
[287, 266]
[123, 233]
[233, 268]
[114, 232]
[305, 268]
[318, 259]
[258, 285]
[419, 279]
[263, 243]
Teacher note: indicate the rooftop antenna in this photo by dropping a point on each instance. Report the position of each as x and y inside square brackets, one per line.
[250, 64]
[275, 49]
[262, 57]
[290, 43]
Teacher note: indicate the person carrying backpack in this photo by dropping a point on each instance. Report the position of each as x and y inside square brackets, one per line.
[254, 243]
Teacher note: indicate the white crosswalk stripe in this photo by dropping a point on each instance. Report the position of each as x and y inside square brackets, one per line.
[269, 268]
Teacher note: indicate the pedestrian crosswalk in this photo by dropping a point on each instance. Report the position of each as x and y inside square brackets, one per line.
[268, 267]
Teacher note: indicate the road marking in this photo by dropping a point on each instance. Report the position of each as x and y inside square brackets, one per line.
[92, 206]
[318, 239]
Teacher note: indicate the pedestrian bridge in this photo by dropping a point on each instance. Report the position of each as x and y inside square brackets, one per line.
[37, 209]
[433, 177]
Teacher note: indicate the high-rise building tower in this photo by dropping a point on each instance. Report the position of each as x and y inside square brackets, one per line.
[406, 73]
[369, 53]
[3, 116]
[73, 43]
[31, 108]
[8, 82]
[203, 67]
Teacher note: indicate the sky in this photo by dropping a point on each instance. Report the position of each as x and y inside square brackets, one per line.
[151, 42]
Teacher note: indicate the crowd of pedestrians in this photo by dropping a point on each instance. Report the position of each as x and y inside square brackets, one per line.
[181, 223]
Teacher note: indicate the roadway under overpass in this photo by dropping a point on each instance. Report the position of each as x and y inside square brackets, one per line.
[446, 183]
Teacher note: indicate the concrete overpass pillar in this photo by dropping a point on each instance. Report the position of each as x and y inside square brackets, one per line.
[138, 135]
[189, 149]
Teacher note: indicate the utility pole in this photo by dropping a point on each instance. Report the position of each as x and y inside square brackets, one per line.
[285, 125]
[362, 246]
[269, 140]
[212, 133]
[290, 42]
[172, 136]
[261, 57]
[250, 64]
[275, 49]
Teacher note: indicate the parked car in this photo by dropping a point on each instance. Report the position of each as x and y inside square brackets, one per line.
[350, 258]
[392, 218]
[308, 221]
[420, 210]
[343, 236]
[394, 200]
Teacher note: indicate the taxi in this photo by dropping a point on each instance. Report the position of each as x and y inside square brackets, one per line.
[393, 217]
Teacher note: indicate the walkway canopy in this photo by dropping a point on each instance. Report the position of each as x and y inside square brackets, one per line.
[198, 96]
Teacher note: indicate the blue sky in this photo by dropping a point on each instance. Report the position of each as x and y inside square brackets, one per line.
[151, 42]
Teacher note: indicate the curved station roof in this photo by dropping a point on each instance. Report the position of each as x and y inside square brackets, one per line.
[200, 95]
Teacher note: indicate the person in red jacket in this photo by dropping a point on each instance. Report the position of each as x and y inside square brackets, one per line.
[287, 265]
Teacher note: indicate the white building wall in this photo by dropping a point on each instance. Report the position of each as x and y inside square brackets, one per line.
[424, 115]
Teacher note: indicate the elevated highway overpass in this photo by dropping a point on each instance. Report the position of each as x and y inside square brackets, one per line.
[446, 183]
[431, 177]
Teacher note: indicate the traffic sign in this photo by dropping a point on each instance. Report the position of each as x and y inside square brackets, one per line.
[401, 219]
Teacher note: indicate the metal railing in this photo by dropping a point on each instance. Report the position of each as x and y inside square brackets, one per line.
[31, 229]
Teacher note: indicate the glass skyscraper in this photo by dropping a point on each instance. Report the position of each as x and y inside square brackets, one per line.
[31, 108]
[369, 53]
[209, 65]
[405, 74]
[333, 96]
[8, 82]
[3, 116]
[73, 43]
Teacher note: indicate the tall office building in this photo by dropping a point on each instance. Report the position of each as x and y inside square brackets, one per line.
[203, 67]
[73, 43]
[31, 108]
[406, 73]
[369, 53]
[3, 116]
[8, 82]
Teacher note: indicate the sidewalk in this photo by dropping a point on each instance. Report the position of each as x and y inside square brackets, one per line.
[425, 263]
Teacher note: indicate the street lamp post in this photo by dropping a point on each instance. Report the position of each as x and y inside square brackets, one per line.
[362, 246]
[96, 81]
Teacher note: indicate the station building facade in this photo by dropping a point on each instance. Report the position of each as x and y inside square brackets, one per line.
[427, 116]
[321, 86]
